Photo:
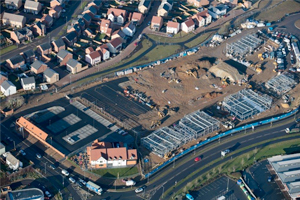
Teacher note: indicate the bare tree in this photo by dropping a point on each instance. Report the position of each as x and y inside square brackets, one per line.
[214, 170]
[248, 156]
[233, 168]
[220, 169]
[208, 176]
[242, 162]
[255, 150]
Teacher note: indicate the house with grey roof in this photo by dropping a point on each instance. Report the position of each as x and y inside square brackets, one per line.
[96, 3]
[2, 149]
[87, 19]
[21, 36]
[91, 10]
[129, 29]
[15, 62]
[70, 38]
[54, 3]
[38, 67]
[165, 7]
[13, 162]
[33, 7]
[28, 55]
[39, 29]
[2, 78]
[51, 76]
[58, 45]
[8, 88]
[144, 6]
[63, 57]
[13, 4]
[9, 19]
[74, 66]
[28, 83]
[44, 49]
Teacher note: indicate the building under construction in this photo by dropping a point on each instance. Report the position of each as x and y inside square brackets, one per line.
[247, 103]
[282, 83]
[242, 47]
[197, 124]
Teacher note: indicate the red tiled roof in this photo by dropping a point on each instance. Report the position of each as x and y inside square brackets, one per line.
[105, 23]
[116, 42]
[156, 20]
[137, 16]
[32, 128]
[172, 24]
[117, 12]
[94, 55]
[189, 23]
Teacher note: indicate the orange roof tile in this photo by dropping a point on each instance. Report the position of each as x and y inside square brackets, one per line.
[30, 127]
[117, 12]
[137, 16]
[189, 23]
[157, 20]
[172, 24]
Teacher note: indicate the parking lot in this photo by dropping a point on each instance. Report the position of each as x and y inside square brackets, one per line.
[109, 96]
[257, 180]
[219, 188]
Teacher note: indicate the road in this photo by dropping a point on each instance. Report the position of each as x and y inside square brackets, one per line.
[51, 34]
[156, 188]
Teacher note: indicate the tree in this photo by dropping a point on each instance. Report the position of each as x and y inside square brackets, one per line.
[255, 150]
[248, 156]
[242, 162]
[208, 176]
[220, 169]
[214, 170]
[233, 168]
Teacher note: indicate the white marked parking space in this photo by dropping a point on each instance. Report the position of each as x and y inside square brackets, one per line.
[80, 134]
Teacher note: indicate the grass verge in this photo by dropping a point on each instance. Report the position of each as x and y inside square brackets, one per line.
[7, 49]
[179, 37]
[198, 40]
[239, 163]
[118, 172]
[289, 6]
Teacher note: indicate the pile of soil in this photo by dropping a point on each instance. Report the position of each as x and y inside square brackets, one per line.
[212, 95]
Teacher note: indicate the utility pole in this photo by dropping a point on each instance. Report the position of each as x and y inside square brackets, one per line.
[227, 184]
[45, 168]
[148, 179]
[245, 129]
[174, 163]
[162, 196]
[14, 145]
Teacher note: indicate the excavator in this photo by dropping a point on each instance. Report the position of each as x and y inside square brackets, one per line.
[155, 124]
[161, 114]
[225, 81]
[192, 72]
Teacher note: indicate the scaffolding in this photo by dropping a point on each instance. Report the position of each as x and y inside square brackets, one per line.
[247, 103]
[192, 126]
[244, 46]
[282, 83]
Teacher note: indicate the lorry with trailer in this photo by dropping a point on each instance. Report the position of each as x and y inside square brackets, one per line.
[94, 187]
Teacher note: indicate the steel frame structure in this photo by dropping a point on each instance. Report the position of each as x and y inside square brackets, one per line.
[192, 126]
[282, 83]
[247, 103]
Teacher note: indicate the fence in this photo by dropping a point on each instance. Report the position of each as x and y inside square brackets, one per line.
[226, 133]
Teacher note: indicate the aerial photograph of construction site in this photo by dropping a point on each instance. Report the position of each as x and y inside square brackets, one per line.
[141, 99]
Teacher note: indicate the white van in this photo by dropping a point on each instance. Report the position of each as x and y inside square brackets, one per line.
[65, 172]
[130, 183]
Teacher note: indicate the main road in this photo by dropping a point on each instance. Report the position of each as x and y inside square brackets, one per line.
[155, 189]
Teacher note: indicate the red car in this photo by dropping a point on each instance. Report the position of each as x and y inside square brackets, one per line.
[197, 159]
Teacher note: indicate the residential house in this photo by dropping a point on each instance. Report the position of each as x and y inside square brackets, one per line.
[217, 11]
[93, 58]
[105, 27]
[231, 2]
[28, 83]
[47, 20]
[44, 49]
[202, 18]
[129, 29]
[104, 52]
[115, 45]
[2, 151]
[28, 56]
[21, 36]
[137, 18]
[75, 28]
[13, 20]
[89, 33]
[188, 26]
[96, 3]
[91, 10]
[164, 7]
[144, 6]
[87, 19]
[13, 4]
[117, 15]
[89, 50]
[81, 23]
[13, 162]
[38, 67]
[8, 88]
[55, 12]
[58, 45]
[74, 66]
[39, 29]
[247, 4]
[2, 78]
[54, 3]
[51, 76]
[33, 7]
[111, 154]
[119, 34]
[199, 3]
[173, 27]
[63, 57]
[70, 38]
[156, 23]
[15, 62]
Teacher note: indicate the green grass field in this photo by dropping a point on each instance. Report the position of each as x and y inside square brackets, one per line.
[114, 173]
[7, 49]
[198, 40]
[179, 37]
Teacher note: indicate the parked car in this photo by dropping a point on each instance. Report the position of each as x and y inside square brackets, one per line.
[138, 190]
[79, 184]
[72, 180]
[52, 167]
[48, 194]
[269, 179]
[38, 156]
[22, 152]
[82, 181]
[65, 172]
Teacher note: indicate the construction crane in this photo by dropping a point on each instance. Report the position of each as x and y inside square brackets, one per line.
[192, 72]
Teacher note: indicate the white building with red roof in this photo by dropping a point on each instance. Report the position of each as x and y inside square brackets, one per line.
[188, 26]
[117, 15]
[93, 58]
[173, 27]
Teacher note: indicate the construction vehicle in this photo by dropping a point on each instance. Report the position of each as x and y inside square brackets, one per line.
[167, 155]
[260, 56]
[225, 81]
[192, 72]
[155, 124]
[161, 114]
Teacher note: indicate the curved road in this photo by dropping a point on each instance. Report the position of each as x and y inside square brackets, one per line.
[156, 188]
